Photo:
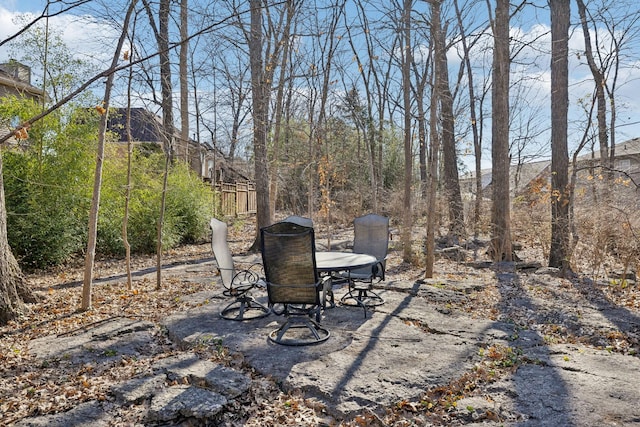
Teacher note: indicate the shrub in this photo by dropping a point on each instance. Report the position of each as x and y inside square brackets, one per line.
[46, 185]
[187, 206]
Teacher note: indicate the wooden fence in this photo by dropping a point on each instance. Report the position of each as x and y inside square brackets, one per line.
[236, 199]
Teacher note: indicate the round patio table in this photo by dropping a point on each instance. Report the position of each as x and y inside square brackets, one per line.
[330, 262]
[334, 261]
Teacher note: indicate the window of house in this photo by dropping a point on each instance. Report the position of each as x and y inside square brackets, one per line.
[623, 165]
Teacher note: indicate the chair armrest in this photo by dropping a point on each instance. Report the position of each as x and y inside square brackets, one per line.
[324, 286]
[245, 280]
[379, 268]
[255, 267]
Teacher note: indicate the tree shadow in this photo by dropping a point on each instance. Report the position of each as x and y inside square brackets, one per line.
[137, 273]
[624, 320]
[373, 339]
[540, 391]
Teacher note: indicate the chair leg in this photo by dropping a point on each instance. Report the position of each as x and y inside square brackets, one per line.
[244, 307]
[318, 332]
[361, 296]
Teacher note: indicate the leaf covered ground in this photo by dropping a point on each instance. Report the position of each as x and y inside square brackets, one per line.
[554, 306]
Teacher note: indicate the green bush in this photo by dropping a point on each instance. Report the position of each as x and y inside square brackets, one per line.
[187, 205]
[46, 183]
[49, 182]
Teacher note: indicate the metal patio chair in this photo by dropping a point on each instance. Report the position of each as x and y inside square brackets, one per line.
[238, 284]
[294, 288]
[371, 236]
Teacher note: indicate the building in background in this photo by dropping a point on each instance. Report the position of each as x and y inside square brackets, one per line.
[15, 79]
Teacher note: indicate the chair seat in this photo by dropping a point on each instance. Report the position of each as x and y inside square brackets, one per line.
[361, 286]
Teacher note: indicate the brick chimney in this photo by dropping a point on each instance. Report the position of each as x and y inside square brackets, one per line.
[17, 70]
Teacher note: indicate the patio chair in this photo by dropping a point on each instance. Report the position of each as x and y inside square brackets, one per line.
[300, 220]
[238, 284]
[294, 288]
[371, 236]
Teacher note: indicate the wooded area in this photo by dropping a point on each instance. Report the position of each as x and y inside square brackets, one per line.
[341, 107]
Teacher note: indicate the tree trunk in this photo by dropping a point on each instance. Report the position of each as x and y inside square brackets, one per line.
[500, 207]
[184, 81]
[127, 194]
[167, 122]
[407, 218]
[599, 82]
[97, 181]
[433, 154]
[477, 142]
[560, 19]
[14, 290]
[260, 104]
[449, 156]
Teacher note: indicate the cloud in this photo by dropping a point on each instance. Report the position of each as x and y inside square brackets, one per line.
[7, 26]
[89, 38]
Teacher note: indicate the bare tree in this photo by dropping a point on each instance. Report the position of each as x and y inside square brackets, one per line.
[500, 206]
[607, 28]
[467, 44]
[376, 81]
[449, 155]
[260, 110]
[421, 77]
[237, 95]
[432, 177]
[95, 200]
[407, 60]
[599, 86]
[184, 77]
[560, 19]
[168, 131]
[127, 194]
[434, 149]
[327, 47]
[264, 57]
[47, 12]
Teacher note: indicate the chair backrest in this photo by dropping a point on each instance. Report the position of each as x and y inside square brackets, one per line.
[221, 251]
[300, 220]
[288, 256]
[371, 235]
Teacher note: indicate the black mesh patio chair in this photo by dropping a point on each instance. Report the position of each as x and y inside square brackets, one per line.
[371, 236]
[294, 288]
[238, 284]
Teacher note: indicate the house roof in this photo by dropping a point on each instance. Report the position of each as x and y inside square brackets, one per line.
[522, 175]
[629, 147]
[145, 126]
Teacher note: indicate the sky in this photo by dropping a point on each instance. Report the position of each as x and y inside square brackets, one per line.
[83, 36]
[22, 5]
[80, 34]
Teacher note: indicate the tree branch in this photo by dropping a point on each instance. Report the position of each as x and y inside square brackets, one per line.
[106, 73]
